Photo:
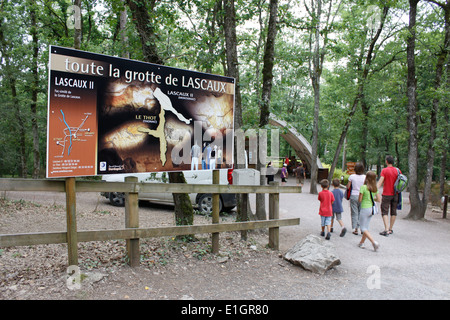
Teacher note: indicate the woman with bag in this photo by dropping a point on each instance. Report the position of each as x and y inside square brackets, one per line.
[368, 194]
[355, 181]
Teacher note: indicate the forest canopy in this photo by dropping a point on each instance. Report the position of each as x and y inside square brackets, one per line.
[353, 59]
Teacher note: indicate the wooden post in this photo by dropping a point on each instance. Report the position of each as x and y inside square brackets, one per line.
[444, 213]
[132, 221]
[246, 208]
[71, 216]
[274, 213]
[215, 213]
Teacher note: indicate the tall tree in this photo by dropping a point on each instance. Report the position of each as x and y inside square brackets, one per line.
[419, 206]
[413, 154]
[444, 156]
[78, 34]
[34, 89]
[229, 23]
[229, 26]
[315, 63]
[10, 72]
[318, 40]
[267, 73]
[269, 57]
[184, 214]
[125, 53]
[144, 23]
[442, 58]
[363, 69]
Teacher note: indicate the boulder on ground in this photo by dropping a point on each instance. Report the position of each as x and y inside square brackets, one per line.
[314, 254]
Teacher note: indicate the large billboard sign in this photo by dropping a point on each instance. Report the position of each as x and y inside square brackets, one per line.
[112, 115]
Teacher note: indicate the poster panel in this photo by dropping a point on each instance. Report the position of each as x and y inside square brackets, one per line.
[111, 115]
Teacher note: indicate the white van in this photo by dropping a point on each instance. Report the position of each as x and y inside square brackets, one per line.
[203, 201]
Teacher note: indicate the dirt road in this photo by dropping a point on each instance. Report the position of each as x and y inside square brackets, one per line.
[412, 263]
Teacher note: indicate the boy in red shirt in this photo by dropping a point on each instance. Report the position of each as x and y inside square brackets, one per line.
[326, 199]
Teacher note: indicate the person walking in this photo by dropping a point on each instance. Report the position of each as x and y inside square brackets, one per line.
[368, 194]
[389, 198]
[326, 199]
[337, 206]
[355, 181]
[269, 172]
[284, 174]
[300, 174]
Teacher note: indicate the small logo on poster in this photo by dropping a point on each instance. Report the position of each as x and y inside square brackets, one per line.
[103, 166]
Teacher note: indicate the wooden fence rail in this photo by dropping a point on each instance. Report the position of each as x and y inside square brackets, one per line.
[132, 233]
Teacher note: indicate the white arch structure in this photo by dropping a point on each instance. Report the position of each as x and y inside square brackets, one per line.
[296, 140]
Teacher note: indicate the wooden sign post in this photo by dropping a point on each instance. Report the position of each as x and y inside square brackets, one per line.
[71, 215]
[132, 221]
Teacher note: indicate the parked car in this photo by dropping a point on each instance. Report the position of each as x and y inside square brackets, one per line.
[202, 201]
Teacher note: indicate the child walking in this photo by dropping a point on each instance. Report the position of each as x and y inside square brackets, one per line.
[326, 199]
[367, 192]
[337, 206]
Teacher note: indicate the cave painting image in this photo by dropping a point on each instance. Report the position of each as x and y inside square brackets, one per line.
[143, 128]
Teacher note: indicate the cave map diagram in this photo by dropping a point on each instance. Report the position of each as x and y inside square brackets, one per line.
[71, 134]
[72, 140]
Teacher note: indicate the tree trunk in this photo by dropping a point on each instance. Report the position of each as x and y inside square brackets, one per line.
[446, 140]
[21, 135]
[360, 93]
[442, 58]
[315, 63]
[232, 59]
[183, 207]
[268, 64]
[34, 93]
[144, 26]
[123, 32]
[258, 48]
[184, 214]
[417, 210]
[19, 128]
[345, 130]
[365, 133]
[315, 139]
[315, 72]
[267, 73]
[78, 31]
[229, 24]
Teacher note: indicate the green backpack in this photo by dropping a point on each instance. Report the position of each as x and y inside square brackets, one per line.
[401, 182]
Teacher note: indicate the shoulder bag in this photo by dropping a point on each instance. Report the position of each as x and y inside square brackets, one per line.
[348, 192]
[374, 206]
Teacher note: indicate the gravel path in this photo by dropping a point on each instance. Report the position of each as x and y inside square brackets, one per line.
[412, 263]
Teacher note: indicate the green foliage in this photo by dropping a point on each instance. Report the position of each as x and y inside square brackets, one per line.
[190, 35]
[339, 174]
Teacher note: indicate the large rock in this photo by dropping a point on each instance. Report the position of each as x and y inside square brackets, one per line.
[313, 253]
